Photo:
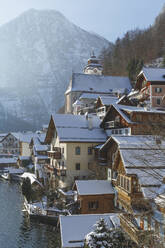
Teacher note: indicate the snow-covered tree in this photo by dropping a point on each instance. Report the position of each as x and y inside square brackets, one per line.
[104, 237]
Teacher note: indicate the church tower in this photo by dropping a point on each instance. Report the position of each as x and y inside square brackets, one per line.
[93, 66]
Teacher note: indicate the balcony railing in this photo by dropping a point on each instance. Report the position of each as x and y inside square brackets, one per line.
[129, 225]
[54, 154]
[112, 124]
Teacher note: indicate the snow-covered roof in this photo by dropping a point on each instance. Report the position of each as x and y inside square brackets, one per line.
[140, 109]
[32, 178]
[143, 158]
[77, 128]
[148, 177]
[41, 147]
[81, 135]
[81, 226]
[89, 96]
[24, 137]
[108, 100]
[98, 83]
[8, 160]
[41, 137]
[153, 74]
[74, 121]
[94, 187]
[119, 109]
[138, 142]
[149, 192]
[12, 170]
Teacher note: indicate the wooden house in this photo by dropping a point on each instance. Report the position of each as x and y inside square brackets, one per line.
[103, 103]
[74, 228]
[95, 196]
[129, 120]
[137, 173]
[150, 87]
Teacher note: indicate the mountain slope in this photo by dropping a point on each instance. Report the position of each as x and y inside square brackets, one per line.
[137, 47]
[38, 52]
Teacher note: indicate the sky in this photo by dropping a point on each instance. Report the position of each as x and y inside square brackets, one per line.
[108, 18]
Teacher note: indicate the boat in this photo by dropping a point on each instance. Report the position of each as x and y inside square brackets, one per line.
[39, 212]
[5, 175]
[12, 173]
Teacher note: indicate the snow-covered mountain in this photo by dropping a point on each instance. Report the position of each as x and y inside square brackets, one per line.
[38, 52]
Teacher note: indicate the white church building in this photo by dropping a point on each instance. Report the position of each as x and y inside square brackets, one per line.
[93, 82]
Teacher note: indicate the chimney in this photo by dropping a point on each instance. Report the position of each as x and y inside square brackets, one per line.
[90, 122]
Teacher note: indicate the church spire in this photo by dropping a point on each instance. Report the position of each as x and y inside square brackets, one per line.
[93, 66]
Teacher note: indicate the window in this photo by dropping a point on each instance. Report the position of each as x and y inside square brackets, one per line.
[62, 150]
[77, 150]
[89, 150]
[158, 90]
[93, 205]
[77, 166]
[158, 101]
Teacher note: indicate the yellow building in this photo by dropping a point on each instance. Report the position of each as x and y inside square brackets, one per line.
[72, 138]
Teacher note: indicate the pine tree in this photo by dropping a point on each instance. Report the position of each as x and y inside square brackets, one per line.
[104, 237]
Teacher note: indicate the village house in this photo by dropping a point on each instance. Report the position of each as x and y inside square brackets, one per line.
[131, 120]
[94, 196]
[72, 138]
[103, 103]
[81, 226]
[150, 87]
[11, 144]
[39, 156]
[93, 82]
[137, 173]
[85, 104]
[25, 139]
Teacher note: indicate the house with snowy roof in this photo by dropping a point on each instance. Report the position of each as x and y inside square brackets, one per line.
[39, 155]
[72, 138]
[93, 82]
[131, 120]
[11, 143]
[103, 103]
[137, 171]
[81, 226]
[150, 87]
[94, 196]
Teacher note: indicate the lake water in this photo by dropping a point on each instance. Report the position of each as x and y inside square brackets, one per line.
[16, 230]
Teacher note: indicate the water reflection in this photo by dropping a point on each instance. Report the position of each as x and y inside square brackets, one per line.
[16, 230]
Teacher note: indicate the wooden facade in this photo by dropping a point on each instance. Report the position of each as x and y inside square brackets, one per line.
[141, 122]
[96, 204]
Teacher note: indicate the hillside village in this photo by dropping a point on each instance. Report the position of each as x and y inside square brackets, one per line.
[103, 158]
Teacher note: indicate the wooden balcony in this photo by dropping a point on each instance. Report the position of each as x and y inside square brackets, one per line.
[54, 154]
[139, 236]
[112, 124]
